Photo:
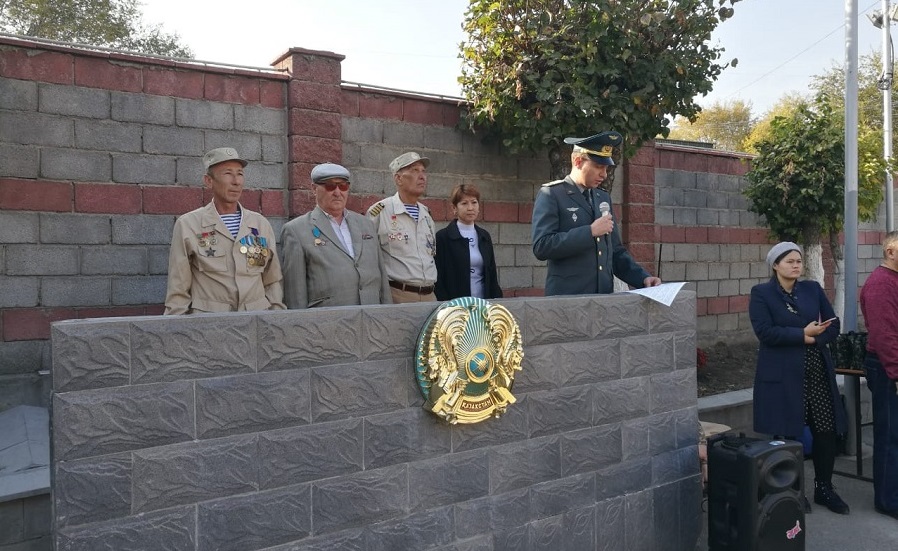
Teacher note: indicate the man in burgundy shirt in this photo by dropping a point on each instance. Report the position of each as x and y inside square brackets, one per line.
[879, 303]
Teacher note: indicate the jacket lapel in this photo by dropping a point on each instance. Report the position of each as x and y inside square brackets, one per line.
[323, 223]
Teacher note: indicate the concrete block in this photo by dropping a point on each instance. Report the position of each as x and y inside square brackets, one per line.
[18, 95]
[113, 259]
[672, 391]
[405, 136]
[37, 511]
[451, 478]
[512, 278]
[19, 292]
[177, 348]
[274, 149]
[421, 530]
[708, 253]
[41, 260]
[37, 129]
[247, 144]
[12, 521]
[705, 289]
[75, 291]
[74, 101]
[609, 521]
[108, 135]
[194, 471]
[189, 171]
[685, 350]
[719, 201]
[173, 141]
[90, 355]
[260, 120]
[683, 179]
[634, 438]
[685, 217]
[687, 423]
[556, 497]
[408, 435]
[558, 411]
[204, 114]
[674, 271]
[590, 449]
[143, 169]
[293, 339]
[695, 198]
[664, 215]
[646, 355]
[172, 529]
[684, 252]
[359, 498]
[342, 391]
[719, 270]
[662, 433]
[674, 465]
[72, 229]
[618, 400]
[76, 164]
[492, 514]
[157, 260]
[255, 520]
[20, 161]
[740, 270]
[523, 256]
[697, 272]
[513, 234]
[17, 357]
[728, 288]
[388, 333]
[142, 108]
[91, 423]
[302, 454]
[568, 364]
[142, 230]
[446, 139]
[690, 518]
[513, 426]
[251, 403]
[669, 197]
[579, 528]
[359, 130]
[624, 478]
[93, 489]
[707, 217]
[138, 290]
[553, 320]
[521, 464]
[267, 176]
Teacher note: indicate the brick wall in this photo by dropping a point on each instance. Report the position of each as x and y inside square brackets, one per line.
[254, 430]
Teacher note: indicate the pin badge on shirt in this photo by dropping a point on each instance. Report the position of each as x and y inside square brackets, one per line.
[573, 211]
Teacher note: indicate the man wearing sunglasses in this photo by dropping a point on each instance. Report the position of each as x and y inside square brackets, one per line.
[406, 233]
[331, 254]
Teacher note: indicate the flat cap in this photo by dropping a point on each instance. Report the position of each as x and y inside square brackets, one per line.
[221, 155]
[598, 146]
[780, 249]
[407, 159]
[327, 171]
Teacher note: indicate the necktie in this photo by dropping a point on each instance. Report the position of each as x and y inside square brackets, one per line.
[588, 196]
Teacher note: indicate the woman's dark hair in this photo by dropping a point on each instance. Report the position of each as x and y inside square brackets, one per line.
[463, 190]
[780, 257]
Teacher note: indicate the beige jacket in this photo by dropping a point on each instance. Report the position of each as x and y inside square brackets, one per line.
[207, 272]
[408, 246]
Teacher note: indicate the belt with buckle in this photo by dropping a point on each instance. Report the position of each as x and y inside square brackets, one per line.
[411, 288]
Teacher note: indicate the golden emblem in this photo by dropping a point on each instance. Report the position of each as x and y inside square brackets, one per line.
[466, 359]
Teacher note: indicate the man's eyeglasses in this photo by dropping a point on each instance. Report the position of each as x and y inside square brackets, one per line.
[331, 186]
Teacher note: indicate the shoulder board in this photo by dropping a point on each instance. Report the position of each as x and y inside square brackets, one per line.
[376, 209]
[555, 183]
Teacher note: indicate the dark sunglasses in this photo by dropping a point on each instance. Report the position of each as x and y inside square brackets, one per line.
[331, 186]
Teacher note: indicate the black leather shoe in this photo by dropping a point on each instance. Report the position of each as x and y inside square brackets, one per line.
[825, 494]
[893, 514]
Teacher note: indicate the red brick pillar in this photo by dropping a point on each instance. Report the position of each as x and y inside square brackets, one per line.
[314, 122]
[639, 231]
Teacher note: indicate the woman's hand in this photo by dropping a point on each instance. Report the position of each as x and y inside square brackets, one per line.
[813, 329]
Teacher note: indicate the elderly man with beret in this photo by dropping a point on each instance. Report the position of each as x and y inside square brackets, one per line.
[573, 226]
[331, 254]
[223, 256]
[406, 232]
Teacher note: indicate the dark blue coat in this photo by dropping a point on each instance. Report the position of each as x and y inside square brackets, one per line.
[779, 379]
[578, 263]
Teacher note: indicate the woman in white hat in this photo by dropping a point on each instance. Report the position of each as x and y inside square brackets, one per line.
[795, 382]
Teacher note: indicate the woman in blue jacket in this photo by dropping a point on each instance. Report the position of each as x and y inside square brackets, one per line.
[795, 381]
[466, 264]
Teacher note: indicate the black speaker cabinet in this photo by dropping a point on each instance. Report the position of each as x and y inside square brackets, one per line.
[754, 494]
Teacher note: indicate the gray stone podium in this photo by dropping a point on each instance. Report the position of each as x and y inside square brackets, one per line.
[304, 430]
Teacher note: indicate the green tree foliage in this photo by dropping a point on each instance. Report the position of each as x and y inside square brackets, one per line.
[725, 124]
[797, 180]
[761, 131]
[535, 71]
[107, 23]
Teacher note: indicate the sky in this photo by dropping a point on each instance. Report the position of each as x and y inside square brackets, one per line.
[413, 44]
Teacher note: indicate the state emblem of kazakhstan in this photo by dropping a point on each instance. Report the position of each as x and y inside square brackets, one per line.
[466, 359]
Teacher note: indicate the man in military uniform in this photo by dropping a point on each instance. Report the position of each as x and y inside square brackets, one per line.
[573, 226]
[222, 256]
[406, 232]
[331, 254]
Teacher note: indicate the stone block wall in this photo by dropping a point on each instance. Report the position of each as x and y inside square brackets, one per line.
[304, 430]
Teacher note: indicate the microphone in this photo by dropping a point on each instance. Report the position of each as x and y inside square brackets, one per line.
[604, 208]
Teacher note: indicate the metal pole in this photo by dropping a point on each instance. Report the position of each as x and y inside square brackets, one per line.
[849, 318]
[887, 112]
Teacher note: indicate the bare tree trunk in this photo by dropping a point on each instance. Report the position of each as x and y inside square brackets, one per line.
[813, 262]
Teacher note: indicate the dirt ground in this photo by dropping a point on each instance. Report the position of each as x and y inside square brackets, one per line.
[729, 367]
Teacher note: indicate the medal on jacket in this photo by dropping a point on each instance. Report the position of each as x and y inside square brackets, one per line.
[573, 211]
[317, 233]
[206, 239]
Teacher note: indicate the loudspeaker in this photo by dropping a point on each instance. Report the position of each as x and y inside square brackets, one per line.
[755, 490]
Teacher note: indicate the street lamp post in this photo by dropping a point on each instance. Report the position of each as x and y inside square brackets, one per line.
[887, 111]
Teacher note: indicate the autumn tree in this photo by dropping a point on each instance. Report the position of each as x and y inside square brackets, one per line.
[535, 71]
[725, 124]
[107, 23]
[761, 130]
